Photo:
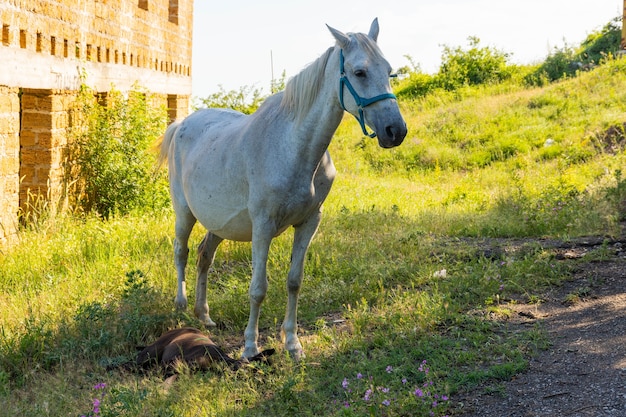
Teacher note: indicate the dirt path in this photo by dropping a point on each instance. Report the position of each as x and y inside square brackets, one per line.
[583, 372]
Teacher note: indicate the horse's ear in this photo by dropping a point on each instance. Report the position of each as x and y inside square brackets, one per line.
[341, 37]
[374, 30]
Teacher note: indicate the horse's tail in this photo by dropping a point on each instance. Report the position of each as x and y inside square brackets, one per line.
[162, 144]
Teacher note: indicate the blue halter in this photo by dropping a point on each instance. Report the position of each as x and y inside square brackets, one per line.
[360, 101]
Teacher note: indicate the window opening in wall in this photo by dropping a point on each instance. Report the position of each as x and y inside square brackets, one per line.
[53, 45]
[38, 44]
[77, 49]
[116, 56]
[172, 106]
[173, 11]
[108, 55]
[22, 39]
[143, 4]
[88, 52]
[6, 40]
[102, 98]
[99, 54]
[124, 58]
[66, 48]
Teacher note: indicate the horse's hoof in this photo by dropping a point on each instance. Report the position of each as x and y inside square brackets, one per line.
[297, 354]
[207, 321]
[181, 305]
[203, 315]
[250, 352]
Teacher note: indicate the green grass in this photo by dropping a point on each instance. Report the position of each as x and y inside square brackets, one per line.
[79, 294]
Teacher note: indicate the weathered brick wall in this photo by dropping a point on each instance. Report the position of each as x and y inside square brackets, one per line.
[47, 49]
[43, 140]
[9, 162]
[157, 36]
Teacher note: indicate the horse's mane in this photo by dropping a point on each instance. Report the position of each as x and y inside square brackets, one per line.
[370, 46]
[301, 90]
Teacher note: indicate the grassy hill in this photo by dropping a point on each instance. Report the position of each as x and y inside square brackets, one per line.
[494, 149]
[403, 304]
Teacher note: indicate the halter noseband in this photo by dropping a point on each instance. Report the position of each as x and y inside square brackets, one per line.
[360, 101]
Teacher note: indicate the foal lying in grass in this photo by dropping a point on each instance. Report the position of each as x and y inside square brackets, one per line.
[191, 347]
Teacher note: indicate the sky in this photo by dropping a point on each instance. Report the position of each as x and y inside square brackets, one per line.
[243, 43]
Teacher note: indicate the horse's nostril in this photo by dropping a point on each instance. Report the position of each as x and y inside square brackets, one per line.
[389, 131]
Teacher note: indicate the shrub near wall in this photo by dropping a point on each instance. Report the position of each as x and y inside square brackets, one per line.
[111, 164]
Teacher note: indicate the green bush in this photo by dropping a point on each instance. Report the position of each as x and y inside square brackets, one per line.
[416, 85]
[459, 68]
[561, 63]
[111, 166]
[474, 66]
[598, 45]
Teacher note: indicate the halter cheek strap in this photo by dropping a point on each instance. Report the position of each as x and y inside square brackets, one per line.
[361, 102]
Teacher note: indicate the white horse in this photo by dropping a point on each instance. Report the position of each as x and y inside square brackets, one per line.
[250, 177]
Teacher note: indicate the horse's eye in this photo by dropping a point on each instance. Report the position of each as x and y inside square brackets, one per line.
[360, 73]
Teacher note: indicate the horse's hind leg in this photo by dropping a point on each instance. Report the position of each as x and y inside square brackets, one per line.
[206, 255]
[302, 239]
[184, 224]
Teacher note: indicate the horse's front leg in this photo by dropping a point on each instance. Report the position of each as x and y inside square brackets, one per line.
[261, 239]
[206, 256]
[302, 239]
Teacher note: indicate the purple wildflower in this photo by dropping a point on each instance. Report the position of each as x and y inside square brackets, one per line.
[368, 395]
[359, 375]
[389, 369]
[418, 392]
[386, 403]
[96, 406]
[423, 367]
[345, 383]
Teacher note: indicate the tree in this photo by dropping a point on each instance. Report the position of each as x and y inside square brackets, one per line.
[246, 100]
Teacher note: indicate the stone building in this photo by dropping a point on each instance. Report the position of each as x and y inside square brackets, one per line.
[46, 47]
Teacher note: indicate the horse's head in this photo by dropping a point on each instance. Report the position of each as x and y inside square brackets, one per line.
[364, 89]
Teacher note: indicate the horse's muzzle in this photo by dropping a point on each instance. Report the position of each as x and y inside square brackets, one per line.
[392, 136]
